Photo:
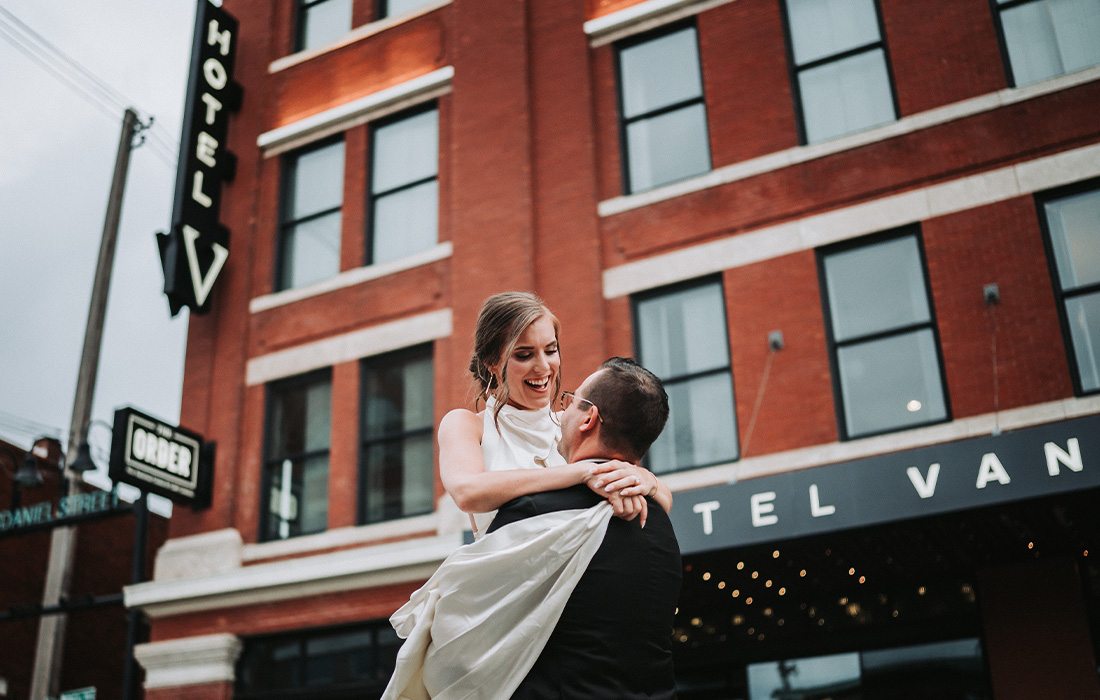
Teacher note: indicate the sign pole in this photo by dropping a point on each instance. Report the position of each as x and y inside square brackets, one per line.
[133, 615]
[46, 677]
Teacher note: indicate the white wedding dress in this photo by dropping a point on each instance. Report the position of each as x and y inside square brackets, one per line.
[475, 629]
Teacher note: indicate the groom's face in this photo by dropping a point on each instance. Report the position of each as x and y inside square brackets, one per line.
[573, 417]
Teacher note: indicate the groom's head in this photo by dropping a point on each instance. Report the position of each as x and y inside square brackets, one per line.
[617, 412]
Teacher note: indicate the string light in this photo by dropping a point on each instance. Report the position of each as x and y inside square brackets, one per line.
[775, 554]
[706, 575]
[740, 565]
[721, 585]
[802, 574]
[863, 579]
[736, 592]
[782, 591]
[755, 575]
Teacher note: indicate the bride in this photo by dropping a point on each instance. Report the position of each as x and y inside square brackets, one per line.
[477, 626]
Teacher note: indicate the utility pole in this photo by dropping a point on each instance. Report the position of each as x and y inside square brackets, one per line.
[46, 678]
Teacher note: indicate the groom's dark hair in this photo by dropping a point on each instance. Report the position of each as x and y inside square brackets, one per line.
[633, 404]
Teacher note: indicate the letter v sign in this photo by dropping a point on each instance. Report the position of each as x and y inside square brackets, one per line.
[201, 283]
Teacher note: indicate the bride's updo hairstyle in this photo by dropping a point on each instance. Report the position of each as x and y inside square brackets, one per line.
[502, 320]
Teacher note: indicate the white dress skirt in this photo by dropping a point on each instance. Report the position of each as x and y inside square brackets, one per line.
[476, 628]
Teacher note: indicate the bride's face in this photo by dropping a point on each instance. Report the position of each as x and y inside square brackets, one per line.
[532, 368]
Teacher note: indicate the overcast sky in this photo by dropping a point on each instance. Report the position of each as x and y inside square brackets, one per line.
[56, 158]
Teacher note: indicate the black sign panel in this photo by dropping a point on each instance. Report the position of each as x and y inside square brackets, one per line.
[161, 458]
[984, 471]
[194, 252]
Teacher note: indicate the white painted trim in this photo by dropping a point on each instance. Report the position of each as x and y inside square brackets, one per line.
[850, 222]
[209, 658]
[350, 278]
[340, 537]
[359, 111]
[642, 17]
[832, 453]
[344, 570]
[353, 345]
[802, 154]
[357, 34]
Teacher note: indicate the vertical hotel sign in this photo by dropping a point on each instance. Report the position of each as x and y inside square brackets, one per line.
[196, 248]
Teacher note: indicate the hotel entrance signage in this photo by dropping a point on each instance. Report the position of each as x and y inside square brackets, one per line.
[161, 458]
[194, 252]
[983, 471]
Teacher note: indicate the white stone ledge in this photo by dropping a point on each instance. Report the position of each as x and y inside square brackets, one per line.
[853, 221]
[642, 17]
[350, 278]
[353, 345]
[351, 569]
[209, 658]
[357, 34]
[359, 111]
[832, 453]
[340, 537]
[802, 154]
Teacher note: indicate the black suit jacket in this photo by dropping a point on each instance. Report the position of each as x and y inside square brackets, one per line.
[614, 638]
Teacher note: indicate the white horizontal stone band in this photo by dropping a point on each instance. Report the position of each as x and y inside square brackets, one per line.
[350, 278]
[642, 17]
[365, 342]
[853, 221]
[832, 453]
[344, 570]
[209, 658]
[802, 154]
[359, 111]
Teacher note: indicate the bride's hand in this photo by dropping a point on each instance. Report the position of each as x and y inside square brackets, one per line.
[629, 507]
[623, 478]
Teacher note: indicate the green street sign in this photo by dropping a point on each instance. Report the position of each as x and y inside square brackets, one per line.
[79, 694]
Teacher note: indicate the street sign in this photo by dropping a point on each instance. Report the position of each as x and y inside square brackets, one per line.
[162, 458]
[79, 694]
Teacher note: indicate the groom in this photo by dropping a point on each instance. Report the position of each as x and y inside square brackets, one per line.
[613, 639]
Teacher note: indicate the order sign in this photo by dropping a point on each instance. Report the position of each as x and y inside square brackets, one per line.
[159, 457]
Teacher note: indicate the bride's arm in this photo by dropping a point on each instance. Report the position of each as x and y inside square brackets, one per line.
[476, 490]
[632, 480]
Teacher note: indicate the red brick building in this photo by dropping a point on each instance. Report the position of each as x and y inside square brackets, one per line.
[858, 239]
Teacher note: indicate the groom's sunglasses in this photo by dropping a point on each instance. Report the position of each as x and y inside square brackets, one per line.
[567, 398]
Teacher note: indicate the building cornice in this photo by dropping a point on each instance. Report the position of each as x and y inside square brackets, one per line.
[643, 17]
[353, 345]
[358, 111]
[832, 453]
[803, 154]
[911, 206]
[344, 570]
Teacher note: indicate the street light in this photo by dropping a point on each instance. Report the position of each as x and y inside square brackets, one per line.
[28, 476]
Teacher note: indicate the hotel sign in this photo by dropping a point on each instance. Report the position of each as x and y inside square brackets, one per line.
[161, 458]
[984, 471]
[194, 252]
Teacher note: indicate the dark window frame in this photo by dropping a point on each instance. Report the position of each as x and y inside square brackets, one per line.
[793, 69]
[271, 391]
[1060, 295]
[288, 163]
[996, 8]
[914, 231]
[302, 637]
[624, 122]
[300, 8]
[646, 295]
[365, 443]
[373, 197]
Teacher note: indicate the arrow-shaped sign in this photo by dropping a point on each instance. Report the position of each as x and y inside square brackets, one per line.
[201, 283]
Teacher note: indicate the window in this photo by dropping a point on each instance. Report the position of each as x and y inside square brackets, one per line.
[1072, 223]
[882, 335]
[1045, 38]
[394, 8]
[345, 662]
[952, 669]
[664, 117]
[404, 187]
[841, 77]
[681, 337]
[295, 496]
[398, 478]
[313, 192]
[321, 22]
